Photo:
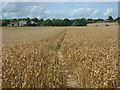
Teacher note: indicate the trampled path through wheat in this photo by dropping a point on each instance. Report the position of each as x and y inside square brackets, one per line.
[71, 80]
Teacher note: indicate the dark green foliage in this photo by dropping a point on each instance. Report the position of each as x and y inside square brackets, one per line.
[118, 20]
[89, 20]
[33, 24]
[35, 20]
[22, 19]
[5, 22]
[110, 18]
[60, 22]
[28, 22]
[47, 22]
[72, 21]
[41, 20]
[100, 20]
[67, 22]
[39, 23]
[13, 20]
[80, 22]
[57, 22]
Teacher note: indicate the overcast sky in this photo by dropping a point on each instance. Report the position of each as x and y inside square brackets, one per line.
[61, 10]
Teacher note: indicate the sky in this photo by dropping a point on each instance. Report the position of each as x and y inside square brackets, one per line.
[61, 10]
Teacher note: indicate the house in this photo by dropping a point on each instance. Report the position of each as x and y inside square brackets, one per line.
[104, 20]
[32, 22]
[8, 24]
[107, 20]
[91, 21]
[22, 23]
[13, 24]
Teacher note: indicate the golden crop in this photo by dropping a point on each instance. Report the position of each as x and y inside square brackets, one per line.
[84, 57]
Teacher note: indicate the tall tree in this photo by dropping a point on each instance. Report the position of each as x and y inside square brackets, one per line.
[67, 22]
[47, 22]
[28, 21]
[35, 20]
[57, 22]
[110, 18]
[80, 22]
[89, 19]
[5, 22]
[41, 20]
[100, 20]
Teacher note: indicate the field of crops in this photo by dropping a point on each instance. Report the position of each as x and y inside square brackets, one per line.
[54, 57]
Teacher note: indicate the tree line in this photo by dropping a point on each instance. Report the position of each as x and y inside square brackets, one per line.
[58, 22]
[48, 22]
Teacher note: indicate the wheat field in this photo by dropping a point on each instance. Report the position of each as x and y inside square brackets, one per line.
[60, 57]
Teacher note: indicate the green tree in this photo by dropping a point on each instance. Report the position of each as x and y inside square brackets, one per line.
[35, 20]
[39, 24]
[5, 22]
[118, 20]
[47, 22]
[67, 22]
[89, 19]
[72, 21]
[54, 22]
[57, 22]
[28, 22]
[41, 20]
[110, 18]
[100, 20]
[22, 19]
[13, 20]
[80, 22]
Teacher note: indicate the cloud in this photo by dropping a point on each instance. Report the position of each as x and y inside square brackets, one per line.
[95, 13]
[75, 13]
[38, 16]
[108, 12]
[33, 8]
[5, 14]
[4, 4]
[81, 12]
[23, 9]
[43, 10]
[56, 13]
